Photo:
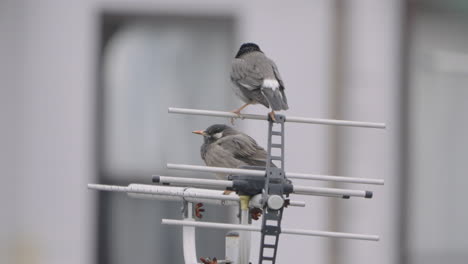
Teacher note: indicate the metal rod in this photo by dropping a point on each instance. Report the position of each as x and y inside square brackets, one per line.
[232, 246]
[297, 189]
[216, 169]
[211, 225]
[202, 182]
[297, 203]
[171, 193]
[244, 236]
[188, 194]
[188, 238]
[290, 175]
[283, 230]
[304, 176]
[145, 196]
[181, 199]
[330, 191]
[192, 181]
[293, 119]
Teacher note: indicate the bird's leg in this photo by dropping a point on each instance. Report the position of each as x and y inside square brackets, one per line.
[272, 115]
[237, 112]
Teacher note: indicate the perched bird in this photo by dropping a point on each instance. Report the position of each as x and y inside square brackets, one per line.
[256, 79]
[226, 147]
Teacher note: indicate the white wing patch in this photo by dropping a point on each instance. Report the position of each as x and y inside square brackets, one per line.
[271, 83]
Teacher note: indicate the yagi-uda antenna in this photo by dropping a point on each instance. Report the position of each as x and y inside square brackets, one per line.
[266, 188]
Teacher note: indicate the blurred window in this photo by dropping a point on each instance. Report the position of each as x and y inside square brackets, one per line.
[437, 213]
[149, 64]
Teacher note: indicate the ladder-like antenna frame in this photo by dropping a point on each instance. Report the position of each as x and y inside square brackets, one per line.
[272, 196]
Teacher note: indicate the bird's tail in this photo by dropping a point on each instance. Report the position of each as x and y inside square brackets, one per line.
[276, 98]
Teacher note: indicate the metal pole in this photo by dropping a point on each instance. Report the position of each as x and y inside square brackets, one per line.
[182, 193]
[188, 237]
[232, 247]
[283, 230]
[316, 177]
[289, 175]
[293, 119]
[215, 169]
[178, 194]
[306, 190]
[297, 189]
[244, 236]
[210, 183]
[192, 181]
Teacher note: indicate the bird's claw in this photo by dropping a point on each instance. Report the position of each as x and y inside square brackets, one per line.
[272, 116]
[255, 213]
[199, 210]
[209, 260]
[237, 112]
[232, 120]
[227, 192]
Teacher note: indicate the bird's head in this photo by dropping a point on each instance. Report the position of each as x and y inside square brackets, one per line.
[247, 48]
[215, 132]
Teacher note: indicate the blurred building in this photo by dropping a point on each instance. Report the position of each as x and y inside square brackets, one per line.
[85, 86]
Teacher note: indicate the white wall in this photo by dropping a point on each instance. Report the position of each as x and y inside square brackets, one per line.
[438, 144]
[297, 36]
[55, 52]
[9, 113]
[53, 217]
[371, 91]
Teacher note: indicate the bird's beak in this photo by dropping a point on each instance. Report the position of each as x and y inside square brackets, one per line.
[199, 132]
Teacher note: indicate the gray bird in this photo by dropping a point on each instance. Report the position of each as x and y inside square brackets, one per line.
[226, 147]
[256, 79]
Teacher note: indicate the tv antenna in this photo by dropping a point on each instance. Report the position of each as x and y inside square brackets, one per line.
[264, 188]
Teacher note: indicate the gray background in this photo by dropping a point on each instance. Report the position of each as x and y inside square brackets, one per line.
[403, 63]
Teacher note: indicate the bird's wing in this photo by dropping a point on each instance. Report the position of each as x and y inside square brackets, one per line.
[279, 100]
[217, 156]
[244, 148]
[246, 75]
[249, 80]
[277, 74]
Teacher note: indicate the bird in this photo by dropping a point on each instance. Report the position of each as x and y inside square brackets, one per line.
[256, 79]
[223, 146]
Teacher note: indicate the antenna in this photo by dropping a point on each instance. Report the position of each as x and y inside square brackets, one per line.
[263, 188]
